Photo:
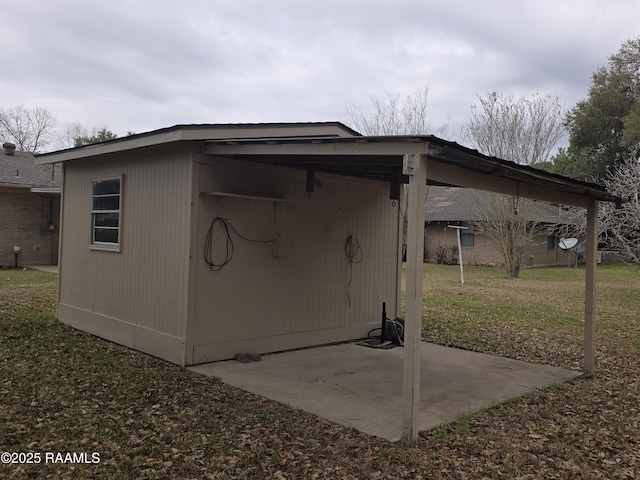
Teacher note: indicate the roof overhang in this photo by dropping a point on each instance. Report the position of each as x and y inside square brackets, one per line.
[53, 190]
[21, 186]
[183, 133]
[31, 188]
[379, 158]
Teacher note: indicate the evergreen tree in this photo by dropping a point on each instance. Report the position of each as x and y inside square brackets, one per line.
[605, 127]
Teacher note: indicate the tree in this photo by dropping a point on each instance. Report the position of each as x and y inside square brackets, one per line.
[631, 123]
[30, 129]
[391, 116]
[507, 222]
[620, 227]
[70, 131]
[523, 130]
[605, 127]
[75, 135]
[97, 136]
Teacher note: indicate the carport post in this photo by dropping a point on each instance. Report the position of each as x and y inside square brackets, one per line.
[416, 168]
[590, 290]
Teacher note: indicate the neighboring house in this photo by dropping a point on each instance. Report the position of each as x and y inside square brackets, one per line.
[197, 242]
[449, 206]
[29, 209]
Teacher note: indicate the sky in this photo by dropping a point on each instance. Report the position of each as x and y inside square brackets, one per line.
[141, 65]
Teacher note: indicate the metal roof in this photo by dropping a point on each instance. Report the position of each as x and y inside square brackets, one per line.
[380, 157]
[332, 147]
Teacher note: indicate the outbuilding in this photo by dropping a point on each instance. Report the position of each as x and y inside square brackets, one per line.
[198, 242]
[194, 257]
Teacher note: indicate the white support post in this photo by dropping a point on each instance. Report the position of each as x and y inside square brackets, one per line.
[590, 290]
[413, 317]
[460, 257]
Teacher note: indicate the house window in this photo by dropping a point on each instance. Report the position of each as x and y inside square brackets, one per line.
[466, 238]
[551, 242]
[105, 212]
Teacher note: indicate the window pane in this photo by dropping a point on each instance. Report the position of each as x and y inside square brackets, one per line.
[106, 203]
[106, 235]
[466, 239]
[106, 219]
[103, 187]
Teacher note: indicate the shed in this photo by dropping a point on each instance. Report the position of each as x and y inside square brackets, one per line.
[196, 242]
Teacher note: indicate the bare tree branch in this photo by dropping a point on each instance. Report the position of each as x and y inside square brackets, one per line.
[389, 115]
[30, 129]
[507, 222]
[621, 226]
[523, 131]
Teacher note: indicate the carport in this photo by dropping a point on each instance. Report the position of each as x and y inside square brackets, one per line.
[419, 161]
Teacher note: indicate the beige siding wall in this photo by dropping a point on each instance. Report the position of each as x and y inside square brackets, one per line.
[297, 294]
[145, 284]
[483, 252]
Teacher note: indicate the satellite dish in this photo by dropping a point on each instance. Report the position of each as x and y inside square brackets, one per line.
[567, 243]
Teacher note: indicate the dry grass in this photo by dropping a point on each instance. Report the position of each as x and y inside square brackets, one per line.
[63, 390]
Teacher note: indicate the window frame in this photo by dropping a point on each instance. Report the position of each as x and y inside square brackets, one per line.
[468, 234]
[101, 245]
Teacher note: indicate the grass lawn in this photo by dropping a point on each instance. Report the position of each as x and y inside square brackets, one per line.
[65, 391]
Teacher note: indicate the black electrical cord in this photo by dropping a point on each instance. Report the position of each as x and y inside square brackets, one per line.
[228, 228]
[208, 244]
[353, 250]
[355, 254]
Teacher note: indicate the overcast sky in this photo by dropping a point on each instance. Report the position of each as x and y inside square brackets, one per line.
[139, 65]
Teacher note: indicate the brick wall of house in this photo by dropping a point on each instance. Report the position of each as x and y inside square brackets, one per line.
[483, 251]
[25, 218]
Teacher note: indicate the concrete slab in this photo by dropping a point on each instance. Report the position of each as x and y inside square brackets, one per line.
[361, 387]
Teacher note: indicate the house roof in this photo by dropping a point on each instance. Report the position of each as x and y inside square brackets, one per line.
[454, 204]
[20, 171]
[332, 147]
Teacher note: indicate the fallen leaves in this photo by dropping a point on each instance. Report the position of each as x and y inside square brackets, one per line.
[62, 390]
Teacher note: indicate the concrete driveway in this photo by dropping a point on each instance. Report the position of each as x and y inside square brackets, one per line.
[361, 387]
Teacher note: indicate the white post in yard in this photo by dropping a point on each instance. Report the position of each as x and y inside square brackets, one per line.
[416, 168]
[590, 290]
[458, 228]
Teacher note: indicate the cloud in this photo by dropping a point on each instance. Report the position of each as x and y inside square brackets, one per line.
[140, 65]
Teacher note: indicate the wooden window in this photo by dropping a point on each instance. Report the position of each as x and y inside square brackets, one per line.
[551, 242]
[105, 212]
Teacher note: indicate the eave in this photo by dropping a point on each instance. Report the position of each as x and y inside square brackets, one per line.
[379, 157]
